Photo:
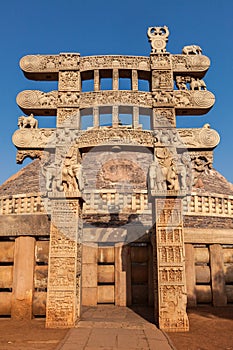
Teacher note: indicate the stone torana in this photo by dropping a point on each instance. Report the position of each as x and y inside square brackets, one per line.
[119, 207]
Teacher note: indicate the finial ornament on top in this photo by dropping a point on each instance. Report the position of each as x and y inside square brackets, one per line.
[158, 37]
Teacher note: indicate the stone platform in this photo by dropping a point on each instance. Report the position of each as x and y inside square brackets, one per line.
[110, 327]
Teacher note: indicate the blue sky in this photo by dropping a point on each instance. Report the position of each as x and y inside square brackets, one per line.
[116, 27]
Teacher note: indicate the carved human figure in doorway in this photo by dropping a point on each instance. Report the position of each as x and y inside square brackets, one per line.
[72, 179]
[172, 176]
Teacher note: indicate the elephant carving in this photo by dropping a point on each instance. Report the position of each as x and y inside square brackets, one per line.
[192, 50]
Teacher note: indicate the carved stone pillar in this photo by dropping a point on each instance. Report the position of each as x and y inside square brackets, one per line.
[172, 296]
[89, 274]
[96, 120]
[162, 84]
[134, 80]
[217, 275]
[24, 263]
[135, 117]
[115, 79]
[96, 80]
[121, 269]
[115, 116]
[64, 270]
[69, 87]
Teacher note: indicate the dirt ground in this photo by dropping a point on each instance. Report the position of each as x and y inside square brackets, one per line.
[32, 335]
[210, 329]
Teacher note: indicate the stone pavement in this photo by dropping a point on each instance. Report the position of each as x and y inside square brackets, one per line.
[111, 327]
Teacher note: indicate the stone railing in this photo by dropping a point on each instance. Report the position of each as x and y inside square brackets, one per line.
[111, 201]
[29, 203]
[209, 205]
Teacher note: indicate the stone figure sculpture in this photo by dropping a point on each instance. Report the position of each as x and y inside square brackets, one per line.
[49, 170]
[157, 179]
[27, 122]
[172, 176]
[158, 37]
[72, 176]
[181, 83]
[197, 84]
[192, 50]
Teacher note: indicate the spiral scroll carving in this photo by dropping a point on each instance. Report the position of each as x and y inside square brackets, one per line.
[30, 63]
[37, 99]
[22, 137]
[199, 62]
[209, 137]
[28, 99]
[203, 99]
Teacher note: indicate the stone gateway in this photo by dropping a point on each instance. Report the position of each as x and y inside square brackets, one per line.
[120, 206]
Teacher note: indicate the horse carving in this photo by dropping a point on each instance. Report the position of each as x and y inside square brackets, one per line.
[27, 122]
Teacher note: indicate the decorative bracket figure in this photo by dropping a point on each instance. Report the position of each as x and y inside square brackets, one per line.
[158, 37]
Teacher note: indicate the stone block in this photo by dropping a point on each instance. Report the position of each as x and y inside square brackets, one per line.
[201, 255]
[21, 225]
[106, 294]
[7, 251]
[41, 276]
[42, 251]
[89, 275]
[5, 303]
[203, 294]
[106, 255]
[89, 253]
[228, 255]
[6, 276]
[106, 274]
[89, 296]
[202, 274]
[39, 303]
[228, 273]
[217, 275]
